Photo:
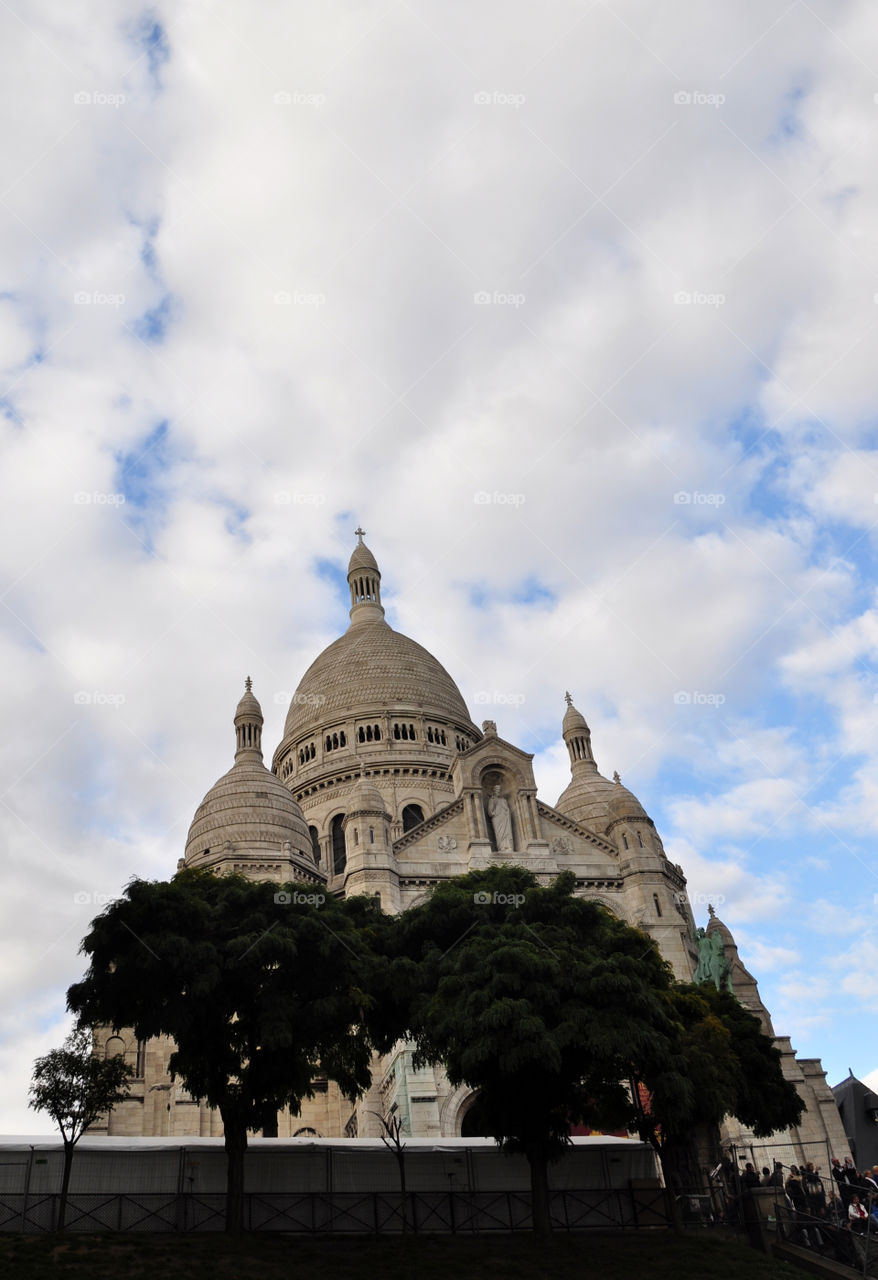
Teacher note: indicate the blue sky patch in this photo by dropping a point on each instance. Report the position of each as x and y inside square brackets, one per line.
[152, 326]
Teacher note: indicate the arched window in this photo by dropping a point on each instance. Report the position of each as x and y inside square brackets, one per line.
[658, 909]
[624, 840]
[412, 816]
[140, 1060]
[371, 835]
[339, 856]
[640, 839]
[396, 731]
[377, 733]
[114, 1046]
[361, 734]
[315, 843]
[412, 732]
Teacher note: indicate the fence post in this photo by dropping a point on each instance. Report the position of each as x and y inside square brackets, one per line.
[30, 1161]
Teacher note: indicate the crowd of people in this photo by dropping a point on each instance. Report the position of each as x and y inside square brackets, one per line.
[819, 1214]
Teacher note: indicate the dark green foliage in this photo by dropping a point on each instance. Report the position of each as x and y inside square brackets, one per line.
[255, 992]
[732, 1066]
[75, 1088]
[540, 1000]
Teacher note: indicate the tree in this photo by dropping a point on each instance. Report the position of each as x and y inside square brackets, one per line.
[392, 1139]
[724, 1065]
[539, 1000]
[257, 987]
[74, 1087]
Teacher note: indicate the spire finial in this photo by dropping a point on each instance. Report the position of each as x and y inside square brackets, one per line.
[616, 777]
[710, 911]
[568, 699]
[360, 532]
[248, 685]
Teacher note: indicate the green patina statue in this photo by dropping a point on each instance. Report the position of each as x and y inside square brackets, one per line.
[712, 963]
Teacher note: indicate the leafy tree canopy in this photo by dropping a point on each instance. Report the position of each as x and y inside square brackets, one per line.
[256, 986]
[540, 1000]
[74, 1087]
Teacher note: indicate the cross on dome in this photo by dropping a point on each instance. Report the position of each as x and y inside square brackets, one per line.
[569, 699]
[360, 532]
[248, 685]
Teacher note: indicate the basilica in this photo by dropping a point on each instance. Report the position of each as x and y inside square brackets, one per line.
[383, 785]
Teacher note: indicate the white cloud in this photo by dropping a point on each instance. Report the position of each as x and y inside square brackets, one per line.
[386, 395]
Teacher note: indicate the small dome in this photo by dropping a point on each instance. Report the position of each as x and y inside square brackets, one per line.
[253, 810]
[587, 799]
[366, 798]
[715, 925]
[574, 721]
[362, 558]
[624, 804]
[249, 706]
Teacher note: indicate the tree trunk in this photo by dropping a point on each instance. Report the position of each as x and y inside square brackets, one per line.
[539, 1192]
[236, 1144]
[65, 1183]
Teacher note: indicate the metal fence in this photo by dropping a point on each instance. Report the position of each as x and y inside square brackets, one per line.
[338, 1213]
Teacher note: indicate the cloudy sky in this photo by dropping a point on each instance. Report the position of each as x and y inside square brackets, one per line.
[572, 305]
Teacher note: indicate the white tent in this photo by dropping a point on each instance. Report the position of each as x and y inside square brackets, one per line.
[168, 1165]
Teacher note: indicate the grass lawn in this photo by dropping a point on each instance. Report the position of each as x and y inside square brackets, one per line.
[647, 1256]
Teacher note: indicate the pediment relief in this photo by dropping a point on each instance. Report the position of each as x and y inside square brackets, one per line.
[571, 838]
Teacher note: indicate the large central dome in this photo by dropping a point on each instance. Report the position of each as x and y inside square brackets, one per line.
[373, 691]
[372, 667]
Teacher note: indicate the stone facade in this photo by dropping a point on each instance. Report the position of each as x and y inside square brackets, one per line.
[382, 784]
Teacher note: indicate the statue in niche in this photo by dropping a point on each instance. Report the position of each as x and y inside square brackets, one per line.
[501, 820]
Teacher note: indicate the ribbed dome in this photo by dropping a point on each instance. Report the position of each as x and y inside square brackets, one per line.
[587, 799]
[366, 798]
[362, 558]
[624, 804]
[253, 810]
[249, 704]
[715, 925]
[574, 721]
[372, 667]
